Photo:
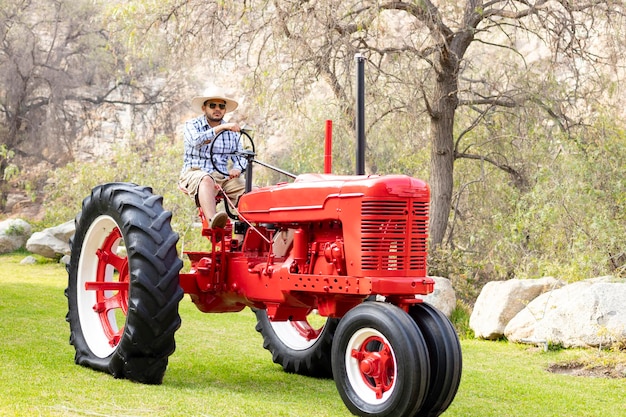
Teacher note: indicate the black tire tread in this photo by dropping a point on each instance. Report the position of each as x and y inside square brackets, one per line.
[445, 358]
[153, 318]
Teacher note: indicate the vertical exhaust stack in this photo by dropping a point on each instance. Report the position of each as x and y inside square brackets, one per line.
[360, 113]
[328, 148]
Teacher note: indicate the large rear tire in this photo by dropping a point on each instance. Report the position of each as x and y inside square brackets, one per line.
[380, 361]
[298, 346]
[123, 290]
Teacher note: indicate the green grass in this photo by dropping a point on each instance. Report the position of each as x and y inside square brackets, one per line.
[220, 369]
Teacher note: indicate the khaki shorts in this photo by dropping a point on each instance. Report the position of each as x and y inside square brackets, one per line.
[189, 182]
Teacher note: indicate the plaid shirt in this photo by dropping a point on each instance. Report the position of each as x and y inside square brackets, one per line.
[198, 137]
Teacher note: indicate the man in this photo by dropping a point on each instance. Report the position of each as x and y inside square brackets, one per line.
[198, 177]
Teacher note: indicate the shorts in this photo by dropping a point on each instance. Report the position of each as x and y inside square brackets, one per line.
[189, 183]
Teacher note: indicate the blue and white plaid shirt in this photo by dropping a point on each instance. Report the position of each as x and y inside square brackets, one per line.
[198, 137]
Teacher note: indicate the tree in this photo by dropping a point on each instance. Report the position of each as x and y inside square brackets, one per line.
[60, 71]
[45, 55]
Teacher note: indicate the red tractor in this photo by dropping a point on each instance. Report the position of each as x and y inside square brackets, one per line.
[351, 249]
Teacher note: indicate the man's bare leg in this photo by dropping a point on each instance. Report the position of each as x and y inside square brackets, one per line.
[206, 197]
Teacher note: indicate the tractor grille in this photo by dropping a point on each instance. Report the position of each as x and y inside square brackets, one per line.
[394, 235]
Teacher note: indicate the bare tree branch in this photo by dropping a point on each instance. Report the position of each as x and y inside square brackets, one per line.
[518, 178]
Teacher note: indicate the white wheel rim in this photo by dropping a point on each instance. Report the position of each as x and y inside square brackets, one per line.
[90, 323]
[287, 332]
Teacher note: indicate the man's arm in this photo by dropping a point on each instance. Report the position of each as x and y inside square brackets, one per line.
[195, 135]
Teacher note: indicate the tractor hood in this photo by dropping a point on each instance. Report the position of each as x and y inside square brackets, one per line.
[325, 197]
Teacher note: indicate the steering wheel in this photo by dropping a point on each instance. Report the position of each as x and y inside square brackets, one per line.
[238, 150]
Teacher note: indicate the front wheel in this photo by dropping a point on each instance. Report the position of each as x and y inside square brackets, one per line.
[380, 361]
[123, 290]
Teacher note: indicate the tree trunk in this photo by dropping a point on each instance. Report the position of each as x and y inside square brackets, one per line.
[442, 155]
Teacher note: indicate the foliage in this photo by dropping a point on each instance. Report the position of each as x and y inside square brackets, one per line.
[10, 169]
[542, 229]
[460, 319]
[461, 268]
[567, 221]
[15, 230]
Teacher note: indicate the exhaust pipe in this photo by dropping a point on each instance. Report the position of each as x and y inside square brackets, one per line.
[360, 113]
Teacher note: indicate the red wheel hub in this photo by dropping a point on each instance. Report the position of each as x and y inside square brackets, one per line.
[376, 364]
[111, 286]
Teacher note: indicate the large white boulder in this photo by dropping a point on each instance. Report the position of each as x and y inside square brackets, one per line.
[583, 314]
[53, 242]
[500, 301]
[13, 234]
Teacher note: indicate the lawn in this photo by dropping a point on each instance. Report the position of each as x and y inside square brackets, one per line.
[220, 369]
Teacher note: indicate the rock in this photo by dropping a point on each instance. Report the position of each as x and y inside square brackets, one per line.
[588, 313]
[41, 243]
[53, 242]
[13, 234]
[443, 297]
[500, 301]
[29, 260]
[63, 231]
[12, 199]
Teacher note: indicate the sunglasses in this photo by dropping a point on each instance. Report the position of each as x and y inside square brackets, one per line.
[220, 105]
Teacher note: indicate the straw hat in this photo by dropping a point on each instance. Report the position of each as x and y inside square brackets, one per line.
[214, 93]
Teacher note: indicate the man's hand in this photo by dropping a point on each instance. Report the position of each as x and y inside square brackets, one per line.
[234, 173]
[233, 127]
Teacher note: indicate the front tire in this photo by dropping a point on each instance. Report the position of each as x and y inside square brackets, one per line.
[380, 361]
[123, 290]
